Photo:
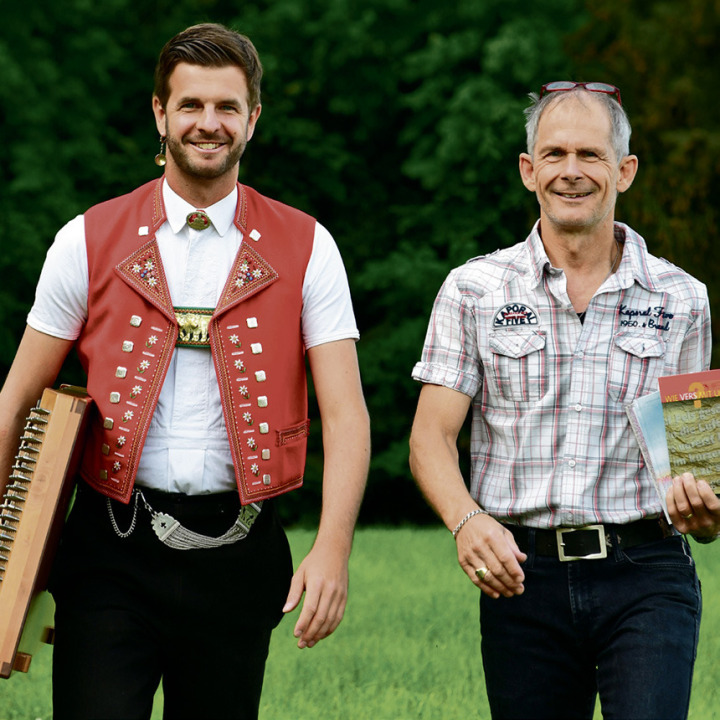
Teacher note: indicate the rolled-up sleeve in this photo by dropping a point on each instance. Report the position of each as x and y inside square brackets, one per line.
[450, 355]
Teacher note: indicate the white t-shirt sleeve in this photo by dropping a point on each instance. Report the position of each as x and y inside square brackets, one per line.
[60, 307]
[327, 313]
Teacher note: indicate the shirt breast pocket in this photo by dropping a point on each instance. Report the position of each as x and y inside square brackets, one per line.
[636, 361]
[518, 360]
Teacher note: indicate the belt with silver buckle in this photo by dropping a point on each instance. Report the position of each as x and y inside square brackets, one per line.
[590, 542]
[585, 543]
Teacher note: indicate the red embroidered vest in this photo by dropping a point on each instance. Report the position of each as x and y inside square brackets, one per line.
[255, 338]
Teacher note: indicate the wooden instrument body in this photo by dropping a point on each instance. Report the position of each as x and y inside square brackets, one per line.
[32, 514]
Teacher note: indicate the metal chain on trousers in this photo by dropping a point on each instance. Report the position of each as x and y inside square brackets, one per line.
[174, 535]
[129, 531]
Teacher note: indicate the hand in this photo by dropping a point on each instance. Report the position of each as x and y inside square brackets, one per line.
[693, 506]
[323, 577]
[484, 543]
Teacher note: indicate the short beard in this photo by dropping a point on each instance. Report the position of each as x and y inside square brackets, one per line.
[200, 170]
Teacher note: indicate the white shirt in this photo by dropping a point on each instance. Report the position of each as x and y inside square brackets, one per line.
[187, 447]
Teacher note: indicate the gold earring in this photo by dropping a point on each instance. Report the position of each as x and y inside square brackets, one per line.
[160, 157]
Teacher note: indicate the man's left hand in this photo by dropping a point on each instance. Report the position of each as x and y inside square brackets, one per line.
[323, 577]
[693, 507]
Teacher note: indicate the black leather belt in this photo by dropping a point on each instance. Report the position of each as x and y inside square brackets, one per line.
[590, 542]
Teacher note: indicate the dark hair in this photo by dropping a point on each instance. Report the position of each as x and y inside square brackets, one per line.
[209, 45]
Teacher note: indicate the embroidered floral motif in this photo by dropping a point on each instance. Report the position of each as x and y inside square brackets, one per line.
[128, 416]
[252, 444]
[240, 365]
[235, 340]
[151, 341]
[247, 417]
[250, 273]
[145, 269]
[121, 441]
[254, 469]
[116, 466]
[137, 389]
[143, 366]
[244, 391]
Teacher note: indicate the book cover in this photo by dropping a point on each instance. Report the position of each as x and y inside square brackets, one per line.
[691, 413]
[648, 424]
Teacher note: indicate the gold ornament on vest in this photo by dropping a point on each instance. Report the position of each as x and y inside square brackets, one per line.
[193, 326]
[198, 220]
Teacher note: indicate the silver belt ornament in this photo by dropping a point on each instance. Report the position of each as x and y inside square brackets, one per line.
[176, 536]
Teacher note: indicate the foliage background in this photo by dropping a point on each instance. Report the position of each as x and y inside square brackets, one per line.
[396, 122]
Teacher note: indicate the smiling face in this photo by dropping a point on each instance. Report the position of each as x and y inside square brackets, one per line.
[573, 170]
[207, 123]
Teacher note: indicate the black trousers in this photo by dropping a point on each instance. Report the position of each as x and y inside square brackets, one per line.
[131, 612]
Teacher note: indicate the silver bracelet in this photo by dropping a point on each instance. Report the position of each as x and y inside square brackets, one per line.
[466, 518]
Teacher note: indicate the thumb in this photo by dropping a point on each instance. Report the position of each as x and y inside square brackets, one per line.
[297, 586]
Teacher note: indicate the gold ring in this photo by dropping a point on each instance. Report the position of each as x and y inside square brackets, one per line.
[481, 572]
[687, 517]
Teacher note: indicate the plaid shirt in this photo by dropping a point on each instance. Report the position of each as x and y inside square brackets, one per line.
[551, 442]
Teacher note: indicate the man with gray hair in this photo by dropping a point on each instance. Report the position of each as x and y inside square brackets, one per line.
[586, 588]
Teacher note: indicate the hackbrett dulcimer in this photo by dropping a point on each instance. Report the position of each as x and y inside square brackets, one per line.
[32, 513]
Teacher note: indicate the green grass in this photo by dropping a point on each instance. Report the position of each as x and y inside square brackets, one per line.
[408, 649]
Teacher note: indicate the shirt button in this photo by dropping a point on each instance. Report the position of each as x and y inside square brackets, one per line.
[578, 407]
[571, 463]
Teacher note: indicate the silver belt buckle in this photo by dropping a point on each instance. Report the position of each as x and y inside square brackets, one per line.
[592, 556]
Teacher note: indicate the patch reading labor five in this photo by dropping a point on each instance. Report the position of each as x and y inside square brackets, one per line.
[514, 314]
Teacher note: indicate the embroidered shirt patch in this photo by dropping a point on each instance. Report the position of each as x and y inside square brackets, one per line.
[514, 314]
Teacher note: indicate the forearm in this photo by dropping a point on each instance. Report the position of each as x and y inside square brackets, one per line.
[346, 445]
[482, 543]
[323, 574]
[36, 365]
[435, 467]
[440, 415]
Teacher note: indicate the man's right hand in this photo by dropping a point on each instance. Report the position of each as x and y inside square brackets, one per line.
[484, 544]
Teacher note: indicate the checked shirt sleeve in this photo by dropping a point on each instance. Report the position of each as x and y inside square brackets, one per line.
[697, 345]
[450, 355]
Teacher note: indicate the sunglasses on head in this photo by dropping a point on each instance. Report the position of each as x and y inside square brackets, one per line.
[565, 85]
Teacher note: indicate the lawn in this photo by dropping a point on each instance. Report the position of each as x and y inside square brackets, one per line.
[408, 648]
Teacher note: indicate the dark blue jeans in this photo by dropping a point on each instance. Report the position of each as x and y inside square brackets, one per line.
[625, 627]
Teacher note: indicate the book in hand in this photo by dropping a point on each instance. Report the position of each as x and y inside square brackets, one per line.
[691, 414]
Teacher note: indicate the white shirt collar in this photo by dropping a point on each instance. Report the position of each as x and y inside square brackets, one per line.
[221, 214]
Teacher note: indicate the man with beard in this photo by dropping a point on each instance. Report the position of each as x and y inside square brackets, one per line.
[585, 587]
[194, 302]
